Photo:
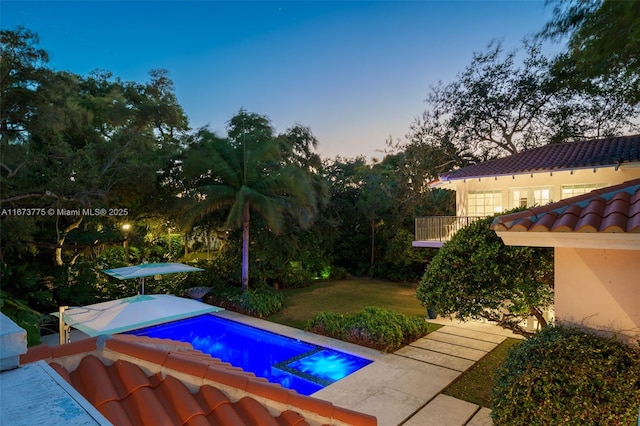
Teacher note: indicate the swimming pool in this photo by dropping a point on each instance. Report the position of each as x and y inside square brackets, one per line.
[294, 364]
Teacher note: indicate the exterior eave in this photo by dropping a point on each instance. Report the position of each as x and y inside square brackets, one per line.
[587, 240]
[446, 182]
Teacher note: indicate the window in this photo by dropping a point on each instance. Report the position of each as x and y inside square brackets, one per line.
[484, 203]
[573, 190]
[528, 197]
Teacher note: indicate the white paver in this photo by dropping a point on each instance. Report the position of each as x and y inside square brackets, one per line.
[391, 388]
[436, 358]
[482, 418]
[443, 411]
[467, 342]
[449, 349]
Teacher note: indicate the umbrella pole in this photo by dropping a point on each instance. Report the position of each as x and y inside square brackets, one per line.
[142, 285]
[63, 329]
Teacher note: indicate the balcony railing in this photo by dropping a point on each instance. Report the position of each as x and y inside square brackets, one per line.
[435, 230]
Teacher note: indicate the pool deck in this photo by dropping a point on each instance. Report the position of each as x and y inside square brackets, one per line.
[404, 387]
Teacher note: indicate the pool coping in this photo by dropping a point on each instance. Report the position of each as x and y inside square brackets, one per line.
[305, 336]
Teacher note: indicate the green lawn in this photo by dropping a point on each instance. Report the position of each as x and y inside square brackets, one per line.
[348, 296]
[475, 385]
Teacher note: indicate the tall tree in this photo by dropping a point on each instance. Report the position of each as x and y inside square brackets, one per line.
[245, 173]
[498, 107]
[71, 143]
[603, 42]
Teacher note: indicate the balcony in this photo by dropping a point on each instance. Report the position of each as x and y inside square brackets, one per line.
[436, 230]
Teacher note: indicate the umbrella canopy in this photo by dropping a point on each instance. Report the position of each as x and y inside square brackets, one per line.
[149, 270]
[130, 313]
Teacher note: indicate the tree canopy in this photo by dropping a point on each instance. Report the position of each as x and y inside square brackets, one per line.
[245, 173]
[499, 106]
[603, 43]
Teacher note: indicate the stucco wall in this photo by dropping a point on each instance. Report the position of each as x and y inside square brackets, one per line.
[607, 176]
[600, 289]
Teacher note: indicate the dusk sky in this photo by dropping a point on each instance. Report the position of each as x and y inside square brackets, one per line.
[356, 73]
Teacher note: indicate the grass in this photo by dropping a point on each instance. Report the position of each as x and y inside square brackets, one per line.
[347, 296]
[351, 296]
[475, 385]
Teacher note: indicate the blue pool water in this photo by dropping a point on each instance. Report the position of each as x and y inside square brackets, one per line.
[296, 365]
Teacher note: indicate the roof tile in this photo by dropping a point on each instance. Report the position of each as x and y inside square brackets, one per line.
[254, 413]
[191, 365]
[181, 404]
[612, 209]
[36, 353]
[544, 223]
[144, 408]
[77, 347]
[555, 157]
[269, 390]
[93, 381]
[291, 418]
[114, 411]
[225, 414]
[125, 395]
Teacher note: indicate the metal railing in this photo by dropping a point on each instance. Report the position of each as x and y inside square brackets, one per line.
[440, 228]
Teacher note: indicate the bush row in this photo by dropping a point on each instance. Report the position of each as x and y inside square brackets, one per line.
[258, 302]
[372, 327]
[564, 376]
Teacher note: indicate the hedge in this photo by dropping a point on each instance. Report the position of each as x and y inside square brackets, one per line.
[372, 327]
[565, 376]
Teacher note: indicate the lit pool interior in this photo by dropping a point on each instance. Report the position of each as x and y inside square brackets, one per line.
[294, 364]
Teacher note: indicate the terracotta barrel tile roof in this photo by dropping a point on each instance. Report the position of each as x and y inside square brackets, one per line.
[566, 156]
[615, 209]
[111, 376]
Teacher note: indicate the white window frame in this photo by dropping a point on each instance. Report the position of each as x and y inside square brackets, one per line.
[484, 203]
[568, 191]
[532, 196]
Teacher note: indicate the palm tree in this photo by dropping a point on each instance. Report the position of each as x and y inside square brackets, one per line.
[246, 173]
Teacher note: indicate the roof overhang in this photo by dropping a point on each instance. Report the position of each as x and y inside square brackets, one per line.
[587, 240]
[447, 181]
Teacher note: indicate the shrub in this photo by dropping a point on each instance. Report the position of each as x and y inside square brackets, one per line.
[569, 377]
[372, 327]
[258, 302]
[474, 275]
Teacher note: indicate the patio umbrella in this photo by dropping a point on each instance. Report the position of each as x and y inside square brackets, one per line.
[148, 270]
[130, 313]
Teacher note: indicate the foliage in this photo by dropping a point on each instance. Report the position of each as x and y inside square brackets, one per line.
[498, 107]
[375, 205]
[79, 156]
[373, 327]
[475, 275]
[569, 377]
[603, 43]
[23, 316]
[246, 173]
[258, 302]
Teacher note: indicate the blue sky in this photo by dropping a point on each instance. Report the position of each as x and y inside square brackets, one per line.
[355, 72]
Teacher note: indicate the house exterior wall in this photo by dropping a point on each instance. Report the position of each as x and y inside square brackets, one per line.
[599, 289]
[605, 176]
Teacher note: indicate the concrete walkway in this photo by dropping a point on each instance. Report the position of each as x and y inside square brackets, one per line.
[404, 388]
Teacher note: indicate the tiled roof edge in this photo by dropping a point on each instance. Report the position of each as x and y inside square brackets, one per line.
[507, 222]
[231, 377]
[543, 167]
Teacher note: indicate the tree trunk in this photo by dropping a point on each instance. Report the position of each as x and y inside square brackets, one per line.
[245, 248]
[61, 237]
[373, 242]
